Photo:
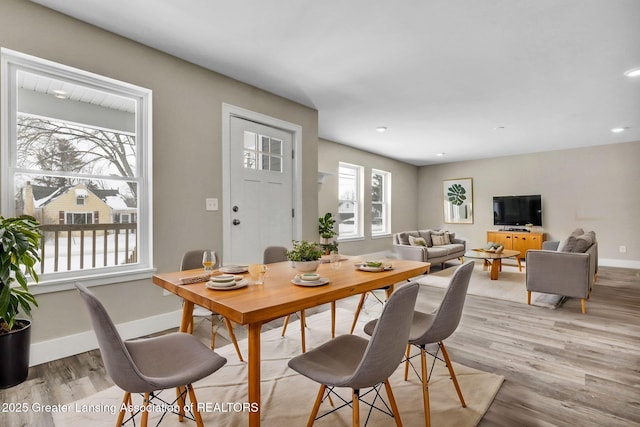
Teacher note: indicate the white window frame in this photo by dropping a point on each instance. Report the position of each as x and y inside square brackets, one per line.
[357, 234]
[11, 62]
[386, 203]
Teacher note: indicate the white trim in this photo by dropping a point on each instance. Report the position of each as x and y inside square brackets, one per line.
[621, 263]
[58, 348]
[229, 111]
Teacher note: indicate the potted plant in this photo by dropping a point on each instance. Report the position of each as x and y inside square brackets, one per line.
[325, 228]
[305, 256]
[19, 243]
[327, 233]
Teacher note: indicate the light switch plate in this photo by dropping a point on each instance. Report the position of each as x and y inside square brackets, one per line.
[211, 204]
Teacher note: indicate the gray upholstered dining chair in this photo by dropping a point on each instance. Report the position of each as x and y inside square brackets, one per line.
[148, 365]
[431, 328]
[191, 260]
[355, 362]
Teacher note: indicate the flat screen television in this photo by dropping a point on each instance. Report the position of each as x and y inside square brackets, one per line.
[517, 210]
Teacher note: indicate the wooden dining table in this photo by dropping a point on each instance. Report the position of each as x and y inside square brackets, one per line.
[255, 305]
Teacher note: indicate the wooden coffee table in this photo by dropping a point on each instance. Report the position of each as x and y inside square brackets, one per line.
[493, 260]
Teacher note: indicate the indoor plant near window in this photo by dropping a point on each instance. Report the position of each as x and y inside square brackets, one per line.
[19, 243]
[305, 256]
[327, 233]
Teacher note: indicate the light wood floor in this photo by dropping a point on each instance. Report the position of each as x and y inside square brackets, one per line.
[561, 368]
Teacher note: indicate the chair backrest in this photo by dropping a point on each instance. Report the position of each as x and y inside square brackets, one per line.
[447, 317]
[193, 259]
[274, 254]
[116, 357]
[388, 340]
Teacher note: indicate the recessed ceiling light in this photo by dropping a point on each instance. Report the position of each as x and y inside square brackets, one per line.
[634, 72]
[381, 129]
[618, 130]
[60, 94]
[498, 128]
[440, 154]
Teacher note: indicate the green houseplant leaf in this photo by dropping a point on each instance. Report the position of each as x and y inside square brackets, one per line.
[19, 244]
[325, 226]
[304, 251]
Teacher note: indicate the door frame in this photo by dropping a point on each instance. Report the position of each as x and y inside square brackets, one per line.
[229, 111]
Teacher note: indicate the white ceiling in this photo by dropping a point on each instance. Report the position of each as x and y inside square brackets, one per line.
[469, 78]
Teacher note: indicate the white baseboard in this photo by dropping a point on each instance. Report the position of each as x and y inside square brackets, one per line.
[46, 351]
[622, 263]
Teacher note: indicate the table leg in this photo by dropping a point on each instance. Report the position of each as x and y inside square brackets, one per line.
[254, 373]
[496, 266]
[389, 291]
[187, 316]
[333, 319]
[519, 263]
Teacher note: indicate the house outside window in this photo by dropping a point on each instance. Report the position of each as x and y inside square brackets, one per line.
[380, 202]
[349, 201]
[75, 153]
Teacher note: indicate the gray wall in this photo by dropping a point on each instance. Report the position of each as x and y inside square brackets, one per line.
[187, 138]
[404, 180]
[594, 188]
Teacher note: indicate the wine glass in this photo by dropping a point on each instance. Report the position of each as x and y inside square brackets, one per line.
[335, 260]
[208, 261]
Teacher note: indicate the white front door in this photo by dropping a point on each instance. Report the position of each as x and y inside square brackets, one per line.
[260, 205]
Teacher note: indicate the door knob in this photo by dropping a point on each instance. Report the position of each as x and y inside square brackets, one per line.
[236, 222]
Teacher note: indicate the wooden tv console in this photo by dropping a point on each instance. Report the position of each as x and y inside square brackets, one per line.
[517, 240]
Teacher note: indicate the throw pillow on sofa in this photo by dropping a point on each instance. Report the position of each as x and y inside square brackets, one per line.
[417, 241]
[441, 238]
[577, 243]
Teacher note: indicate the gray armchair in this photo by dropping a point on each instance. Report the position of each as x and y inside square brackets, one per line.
[559, 272]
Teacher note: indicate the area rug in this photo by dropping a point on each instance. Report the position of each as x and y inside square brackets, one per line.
[510, 285]
[287, 397]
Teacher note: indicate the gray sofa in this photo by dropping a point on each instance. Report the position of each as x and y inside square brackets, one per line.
[568, 267]
[437, 253]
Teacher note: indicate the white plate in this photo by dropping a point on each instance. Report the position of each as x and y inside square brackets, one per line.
[223, 279]
[217, 287]
[321, 281]
[234, 269]
[374, 269]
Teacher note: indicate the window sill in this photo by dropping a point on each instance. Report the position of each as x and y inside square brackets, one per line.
[381, 236]
[68, 283]
[350, 239]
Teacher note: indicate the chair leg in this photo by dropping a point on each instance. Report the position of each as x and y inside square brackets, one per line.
[303, 322]
[180, 397]
[583, 305]
[316, 405]
[145, 412]
[126, 400]
[356, 408]
[425, 387]
[452, 373]
[194, 405]
[358, 309]
[227, 322]
[392, 402]
[529, 297]
[406, 362]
